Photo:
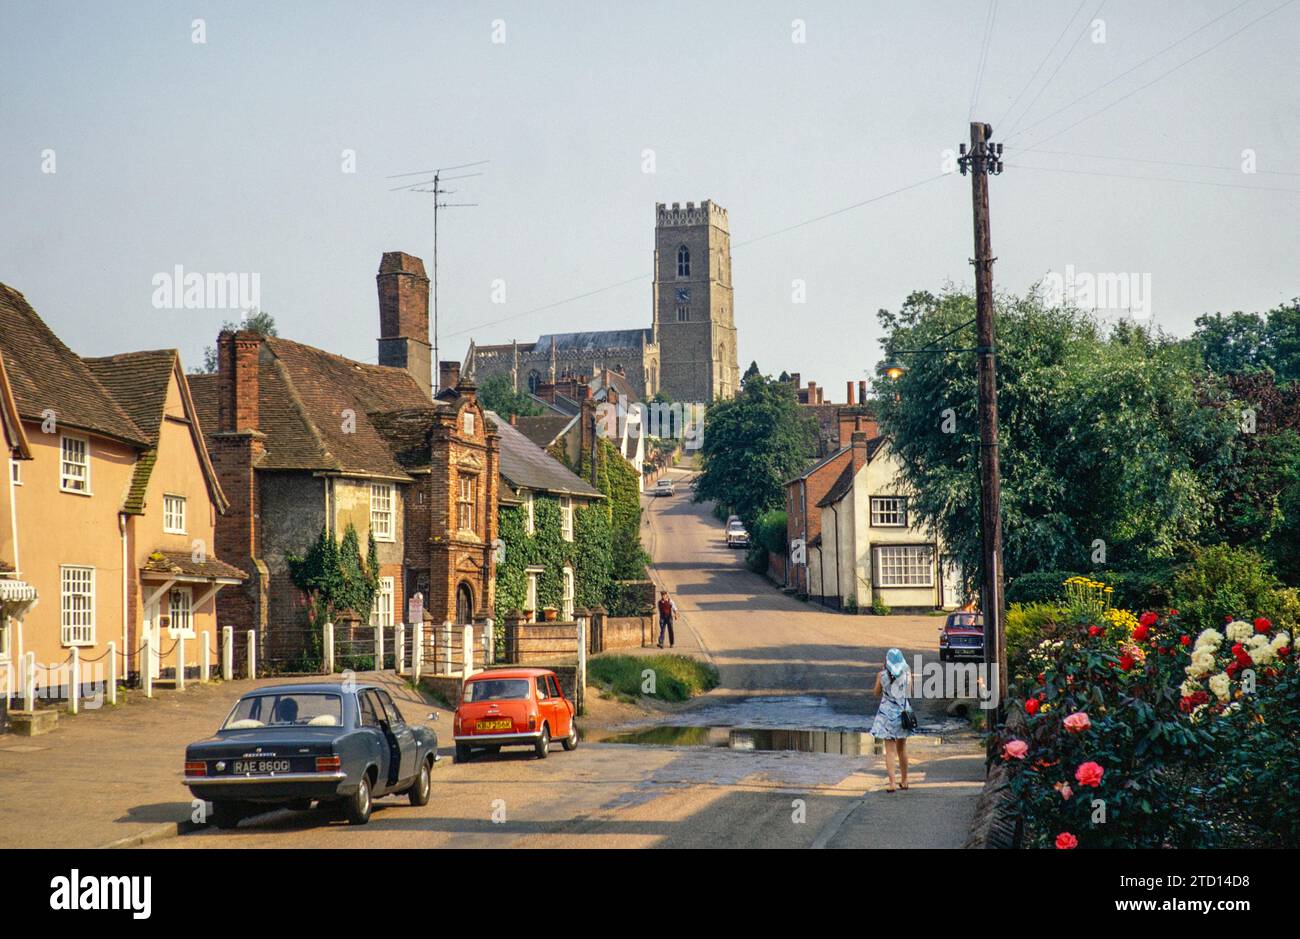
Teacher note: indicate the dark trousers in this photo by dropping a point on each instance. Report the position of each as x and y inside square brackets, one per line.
[665, 622]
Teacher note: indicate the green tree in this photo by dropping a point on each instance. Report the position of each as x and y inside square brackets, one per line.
[752, 444]
[497, 394]
[1100, 436]
[258, 321]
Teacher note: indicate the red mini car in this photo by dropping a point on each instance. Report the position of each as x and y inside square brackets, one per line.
[511, 707]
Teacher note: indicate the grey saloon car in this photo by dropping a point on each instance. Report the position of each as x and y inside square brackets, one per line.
[291, 745]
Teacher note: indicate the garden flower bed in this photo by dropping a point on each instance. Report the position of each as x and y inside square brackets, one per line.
[1138, 732]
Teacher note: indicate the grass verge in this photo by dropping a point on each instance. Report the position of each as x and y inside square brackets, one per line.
[667, 677]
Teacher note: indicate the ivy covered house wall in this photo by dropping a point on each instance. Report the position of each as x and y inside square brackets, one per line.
[546, 551]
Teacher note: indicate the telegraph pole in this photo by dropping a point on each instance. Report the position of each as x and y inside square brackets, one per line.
[985, 159]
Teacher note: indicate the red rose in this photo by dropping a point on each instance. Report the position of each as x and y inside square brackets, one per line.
[1185, 640]
[1042, 696]
[1031, 706]
[1089, 774]
[1147, 619]
[1141, 632]
[1164, 651]
[1066, 841]
[1173, 612]
[1232, 670]
[1262, 625]
[1126, 661]
[1237, 649]
[1041, 678]
[1094, 630]
[1284, 651]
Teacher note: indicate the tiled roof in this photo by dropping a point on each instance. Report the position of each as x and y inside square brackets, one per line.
[184, 564]
[544, 428]
[408, 433]
[316, 408]
[524, 465]
[593, 341]
[138, 381]
[46, 375]
[843, 483]
[818, 465]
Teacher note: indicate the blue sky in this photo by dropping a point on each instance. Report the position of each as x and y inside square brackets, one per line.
[227, 156]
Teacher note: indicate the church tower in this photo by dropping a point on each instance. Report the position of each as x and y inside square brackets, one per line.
[693, 319]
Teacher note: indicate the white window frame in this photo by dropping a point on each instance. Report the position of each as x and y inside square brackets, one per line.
[885, 507]
[64, 477]
[180, 622]
[567, 599]
[169, 514]
[530, 592]
[71, 631]
[566, 517]
[15, 472]
[908, 574]
[530, 516]
[4, 639]
[381, 612]
[383, 501]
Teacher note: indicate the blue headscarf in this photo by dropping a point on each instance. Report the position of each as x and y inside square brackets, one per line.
[895, 662]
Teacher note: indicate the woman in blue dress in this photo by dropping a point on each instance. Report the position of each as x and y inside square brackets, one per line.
[893, 686]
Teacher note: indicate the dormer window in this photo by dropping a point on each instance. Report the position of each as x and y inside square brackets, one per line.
[683, 262]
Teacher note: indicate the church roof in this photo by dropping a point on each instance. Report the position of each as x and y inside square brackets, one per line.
[593, 341]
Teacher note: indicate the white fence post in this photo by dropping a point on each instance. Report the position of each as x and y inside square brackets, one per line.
[399, 648]
[112, 672]
[417, 651]
[205, 667]
[180, 662]
[252, 654]
[29, 682]
[74, 681]
[489, 643]
[445, 656]
[328, 640]
[9, 683]
[228, 653]
[580, 681]
[146, 669]
[379, 648]
[467, 649]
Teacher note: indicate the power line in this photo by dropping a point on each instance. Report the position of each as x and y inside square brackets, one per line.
[1069, 52]
[1197, 166]
[1050, 50]
[739, 244]
[1167, 73]
[1162, 179]
[1130, 71]
[984, 54]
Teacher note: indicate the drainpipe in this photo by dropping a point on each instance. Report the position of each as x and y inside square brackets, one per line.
[126, 645]
[13, 512]
[839, 596]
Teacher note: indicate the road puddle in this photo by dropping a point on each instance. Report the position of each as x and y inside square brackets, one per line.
[840, 742]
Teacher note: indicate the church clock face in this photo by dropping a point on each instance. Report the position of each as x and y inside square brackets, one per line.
[683, 295]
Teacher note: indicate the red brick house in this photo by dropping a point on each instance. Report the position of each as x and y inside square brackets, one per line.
[304, 439]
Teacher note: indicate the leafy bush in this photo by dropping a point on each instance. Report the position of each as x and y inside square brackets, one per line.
[675, 677]
[1220, 582]
[1038, 587]
[770, 531]
[1027, 624]
[879, 607]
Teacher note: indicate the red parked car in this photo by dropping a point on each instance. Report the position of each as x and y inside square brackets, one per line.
[513, 707]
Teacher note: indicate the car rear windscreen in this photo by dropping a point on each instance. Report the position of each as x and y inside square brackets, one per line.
[286, 709]
[496, 689]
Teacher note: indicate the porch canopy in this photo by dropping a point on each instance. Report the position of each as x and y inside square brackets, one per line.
[164, 570]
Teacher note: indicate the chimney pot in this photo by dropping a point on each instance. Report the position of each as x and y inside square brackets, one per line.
[850, 393]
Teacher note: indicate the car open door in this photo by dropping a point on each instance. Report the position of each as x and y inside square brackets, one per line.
[563, 716]
[402, 742]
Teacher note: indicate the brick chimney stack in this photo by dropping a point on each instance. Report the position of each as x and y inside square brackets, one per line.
[858, 441]
[404, 317]
[237, 365]
[448, 374]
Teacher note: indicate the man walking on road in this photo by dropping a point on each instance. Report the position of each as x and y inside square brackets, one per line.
[667, 613]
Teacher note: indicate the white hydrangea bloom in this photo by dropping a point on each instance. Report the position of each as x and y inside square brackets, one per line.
[1281, 640]
[1202, 664]
[1239, 630]
[1209, 639]
[1221, 686]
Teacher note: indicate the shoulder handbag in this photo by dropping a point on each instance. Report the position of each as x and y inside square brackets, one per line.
[908, 717]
